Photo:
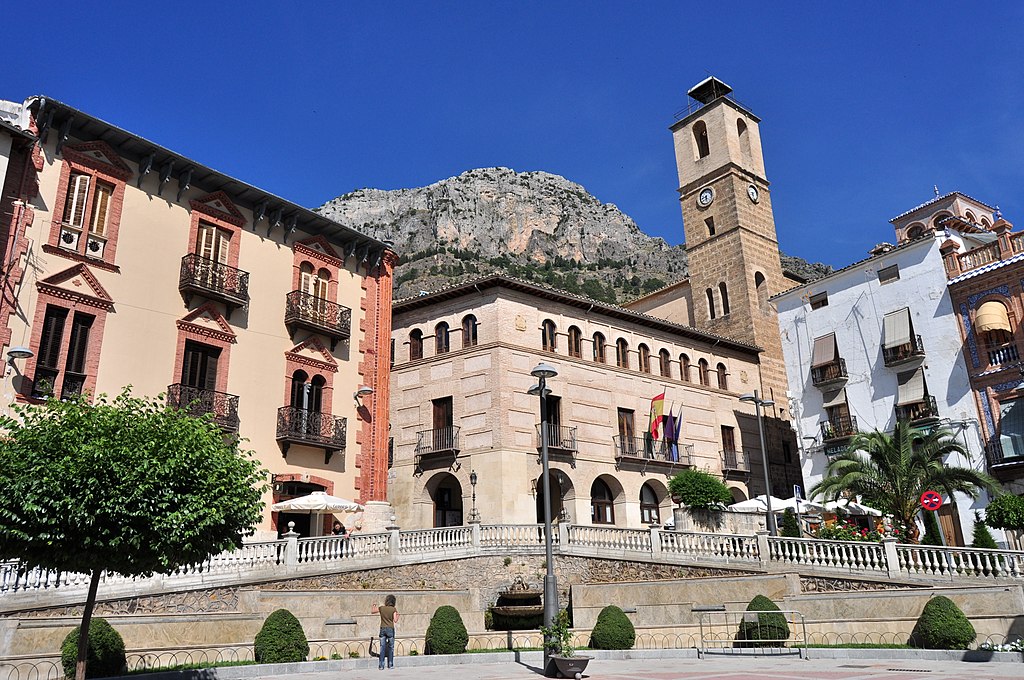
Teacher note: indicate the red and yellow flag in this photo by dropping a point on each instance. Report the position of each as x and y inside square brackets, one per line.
[657, 413]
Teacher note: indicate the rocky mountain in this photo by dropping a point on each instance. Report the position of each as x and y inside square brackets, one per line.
[533, 225]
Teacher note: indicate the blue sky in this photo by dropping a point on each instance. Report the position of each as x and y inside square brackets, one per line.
[864, 106]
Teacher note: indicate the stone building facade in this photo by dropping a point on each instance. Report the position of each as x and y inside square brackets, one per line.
[461, 410]
[130, 264]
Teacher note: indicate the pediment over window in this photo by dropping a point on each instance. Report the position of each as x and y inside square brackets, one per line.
[218, 206]
[99, 156]
[77, 284]
[312, 352]
[207, 320]
[319, 247]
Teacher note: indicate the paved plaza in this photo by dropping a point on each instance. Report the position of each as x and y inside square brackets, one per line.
[733, 668]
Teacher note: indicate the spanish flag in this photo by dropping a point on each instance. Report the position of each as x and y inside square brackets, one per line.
[657, 413]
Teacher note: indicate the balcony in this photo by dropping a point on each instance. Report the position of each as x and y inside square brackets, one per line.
[918, 411]
[309, 428]
[735, 462]
[842, 427]
[830, 374]
[657, 455]
[1002, 466]
[213, 280]
[314, 314]
[1003, 354]
[199, 402]
[905, 353]
[440, 444]
[561, 443]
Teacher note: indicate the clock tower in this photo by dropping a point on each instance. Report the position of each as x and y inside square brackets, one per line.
[733, 251]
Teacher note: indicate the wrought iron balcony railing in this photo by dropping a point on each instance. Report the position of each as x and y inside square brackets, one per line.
[840, 427]
[303, 310]
[918, 410]
[560, 437]
[997, 457]
[830, 373]
[310, 428]
[213, 280]
[661, 452]
[199, 402]
[735, 461]
[437, 440]
[900, 354]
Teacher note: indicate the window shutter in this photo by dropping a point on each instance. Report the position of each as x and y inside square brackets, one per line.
[222, 246]
[316, 395]
[74, 205]
[100, 209]
[205, 246]
[210, 379]
[79, 346]
[53, 334]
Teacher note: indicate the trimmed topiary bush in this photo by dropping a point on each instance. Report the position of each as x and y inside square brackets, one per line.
[1005, 512]
[790, 527]
[105, 657]
[932, 536]
[281, 639]
[766, 629]
[446, 633]
[982, 536]
[613, 630]
[942, 626]
[697, 489]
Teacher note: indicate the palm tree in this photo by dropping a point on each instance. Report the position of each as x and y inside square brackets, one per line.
[897, 469]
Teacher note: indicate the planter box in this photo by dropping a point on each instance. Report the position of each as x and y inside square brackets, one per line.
[570, 666]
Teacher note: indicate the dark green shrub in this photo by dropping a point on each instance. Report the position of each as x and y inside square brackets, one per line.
[697, 489]
[281, 639]
[613, 630]
[982, 536]
[942, 626]
[931, 529]
[790, 527]
[446, 633]
[1005, 512]
[105, 657]
[766, 629]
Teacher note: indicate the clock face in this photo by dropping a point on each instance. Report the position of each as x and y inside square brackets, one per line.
[752, 193]
[706, 195]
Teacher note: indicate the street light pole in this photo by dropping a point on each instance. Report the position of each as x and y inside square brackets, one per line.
[474, 515]
[758, 403]
[542, 372]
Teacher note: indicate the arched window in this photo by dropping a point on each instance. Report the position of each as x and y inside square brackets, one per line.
[315, 284]
[621, 353]
[985, 223]
[441, 344]
[649, 505]
[915, 231]
[702, 369]
[937, 221]
[711, 303]
[725, 298]
[602, 508]
[969, 216]
[723, 379]
[300, 380]
[599, 348]
[761, 287]
[306, 400]
[684, 368]
[469, 331]
[645, 358]
[548, 335]
[664, 359]
[700, 139]
[575, 342]
[741, 132]
[415, 344]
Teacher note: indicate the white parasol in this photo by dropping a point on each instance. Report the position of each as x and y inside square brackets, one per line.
[318, 501]
[852, 507]
[800, 506]
[758, 504]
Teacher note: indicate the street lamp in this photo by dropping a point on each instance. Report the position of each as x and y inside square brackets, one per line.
[474, 515]
[542, 372]
[758, 405]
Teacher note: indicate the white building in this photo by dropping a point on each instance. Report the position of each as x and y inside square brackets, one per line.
[875, 341]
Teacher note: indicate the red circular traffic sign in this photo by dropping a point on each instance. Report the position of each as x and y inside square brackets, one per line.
[930, 500]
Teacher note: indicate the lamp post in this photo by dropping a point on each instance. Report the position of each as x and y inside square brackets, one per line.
[758, 405]
[542, 372]
[474, 515]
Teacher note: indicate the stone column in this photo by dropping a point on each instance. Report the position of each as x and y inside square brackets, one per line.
[762, 549]
[655, 542]
[291, 546]
[892, 560]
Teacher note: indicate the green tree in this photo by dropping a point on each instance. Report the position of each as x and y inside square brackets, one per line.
[1006, 512]
[790, 527]
[982, 536]
[127, 486]
[892, 471]
[698, 489]
[932, 534]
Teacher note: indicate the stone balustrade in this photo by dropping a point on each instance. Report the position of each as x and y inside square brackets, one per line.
[292, 557]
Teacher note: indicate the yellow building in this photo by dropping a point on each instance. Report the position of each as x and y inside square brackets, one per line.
[130, 264]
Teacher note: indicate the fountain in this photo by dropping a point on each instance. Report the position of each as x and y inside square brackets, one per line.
[519, 607]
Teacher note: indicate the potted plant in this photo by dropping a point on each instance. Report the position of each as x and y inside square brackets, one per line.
[561, 651]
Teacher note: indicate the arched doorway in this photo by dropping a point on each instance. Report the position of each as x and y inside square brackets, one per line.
[738, 494]
[445, 494]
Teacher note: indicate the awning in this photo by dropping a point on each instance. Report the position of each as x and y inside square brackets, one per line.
[824, 350]
[835, 398]
[911, 387]
[896, 328]
[992, 316]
